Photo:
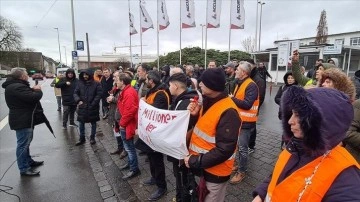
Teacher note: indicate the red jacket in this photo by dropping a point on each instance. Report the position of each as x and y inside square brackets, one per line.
[128, 105]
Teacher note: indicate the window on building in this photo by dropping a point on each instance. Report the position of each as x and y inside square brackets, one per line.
[339, 41]
[312, 43]
[355, 41]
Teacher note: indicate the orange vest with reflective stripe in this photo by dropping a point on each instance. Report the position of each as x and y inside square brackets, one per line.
[289, 189]
[150, 99]
[250, 115]
[203, 135]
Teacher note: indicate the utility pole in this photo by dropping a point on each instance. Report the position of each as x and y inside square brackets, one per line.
[261, 5]
[65, 55]
[57, 29]
[75, 64]
[88, 49]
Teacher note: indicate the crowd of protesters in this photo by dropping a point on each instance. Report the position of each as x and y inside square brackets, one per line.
[320, 126]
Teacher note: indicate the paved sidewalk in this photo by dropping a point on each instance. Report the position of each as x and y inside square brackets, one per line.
[113, 188]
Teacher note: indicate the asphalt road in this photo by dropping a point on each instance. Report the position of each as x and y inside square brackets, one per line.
[66, 174]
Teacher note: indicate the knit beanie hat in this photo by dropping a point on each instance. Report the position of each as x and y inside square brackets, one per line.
[214, 78]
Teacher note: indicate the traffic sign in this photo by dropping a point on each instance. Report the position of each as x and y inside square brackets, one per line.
[80, 45]
[74, 55]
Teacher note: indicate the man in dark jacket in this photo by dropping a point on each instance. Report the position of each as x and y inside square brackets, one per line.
[68, 85]
[263, 71]
[87, 95]
[25, 112]
[261, 84]
[157, 97]
[107, 83]
[181, 99]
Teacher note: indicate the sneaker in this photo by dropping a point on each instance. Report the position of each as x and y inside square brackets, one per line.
[92, 141]
[250, 150]
[105, 116]
[64, 128]
[118, 151]
[237, 178]
[150, 181]
[160, 192]
[123, 154]
[73, 125]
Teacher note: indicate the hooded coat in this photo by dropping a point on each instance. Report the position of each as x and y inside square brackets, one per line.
[325, 115]
[352, 140]
[25, 110]
[302, 79]
[89, 92]
[357, 83]
[67, 91]
[261, 84]
[282, 89]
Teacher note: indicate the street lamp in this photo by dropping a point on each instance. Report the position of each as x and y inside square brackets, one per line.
[261, 4]
[202, 36]
[65, 55]
[57, 29]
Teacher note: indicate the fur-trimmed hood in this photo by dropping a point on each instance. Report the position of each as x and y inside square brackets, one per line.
[286, 77]
[340, 80]
[325, 116]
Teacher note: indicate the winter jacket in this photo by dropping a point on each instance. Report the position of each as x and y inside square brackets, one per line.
[25, 110]
[352, 139]
[106, 86]
[230, 84]
[128, 105]
[89, 92]
[281, 90]
[113, 109]
[264, 72]
[304, 80]
[226, 136]
[325, 114]
[67, 91]
[261, 84]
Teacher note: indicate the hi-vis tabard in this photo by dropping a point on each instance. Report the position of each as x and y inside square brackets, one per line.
[329, 168]
[203, 135]
[150, 99]
[239, 93]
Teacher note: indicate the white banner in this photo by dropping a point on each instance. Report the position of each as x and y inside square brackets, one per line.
[131, 24]
[237, 14]
[283, 56]
[163, 16]
[146, 22]
[293, 45]
[164, 130]
[187, 13]
[213, 13]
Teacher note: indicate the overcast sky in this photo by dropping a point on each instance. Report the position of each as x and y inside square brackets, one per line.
[107, 24]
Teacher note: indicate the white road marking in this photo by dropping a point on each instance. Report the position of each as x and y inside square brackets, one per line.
[4, 122]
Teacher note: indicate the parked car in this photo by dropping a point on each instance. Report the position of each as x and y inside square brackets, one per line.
[37, 76]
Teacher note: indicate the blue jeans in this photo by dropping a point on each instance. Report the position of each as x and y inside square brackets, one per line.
[130, 149]
[24, 138]
[82, 130]
[243, 143]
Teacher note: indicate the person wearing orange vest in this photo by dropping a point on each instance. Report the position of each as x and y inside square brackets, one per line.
[214, 138]
[246, 98]
[313, 167]
[158, 97]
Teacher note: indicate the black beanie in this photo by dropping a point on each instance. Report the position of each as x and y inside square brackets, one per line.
[214, 78]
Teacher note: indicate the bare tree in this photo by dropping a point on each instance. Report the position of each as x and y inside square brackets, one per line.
[249, 44]
[123, 62]
[10, 36]
[28, 50]
[322, 29]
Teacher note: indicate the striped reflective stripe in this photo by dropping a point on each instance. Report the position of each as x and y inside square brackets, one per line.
[198, 149]
[247, 114]
[203, 135]
[232, 156]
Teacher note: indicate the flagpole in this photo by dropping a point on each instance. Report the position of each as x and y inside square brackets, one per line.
[256, 29]
[158, 62]
[131, 61]
[141, 50]
[229, 34]
[180, 30]
[206, 28]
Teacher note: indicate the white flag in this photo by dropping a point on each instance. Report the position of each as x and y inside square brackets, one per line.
[187, 13]
[164, 130]
[237, 14]
[146, 22]
[163, 16]
[131, 24]
[213, 13]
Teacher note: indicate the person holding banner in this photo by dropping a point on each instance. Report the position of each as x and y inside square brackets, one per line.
[157, 97]
[128, 104]
[214, 138]
[181, 99]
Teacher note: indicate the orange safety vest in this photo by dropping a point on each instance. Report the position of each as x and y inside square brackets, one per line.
[203, 135]
[150, 99]
[250, 115]
[289, 189]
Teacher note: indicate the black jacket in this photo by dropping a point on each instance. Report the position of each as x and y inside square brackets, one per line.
[25, 110]
[106, 86]
[67, 91]
[89, 92]
[261, 83]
